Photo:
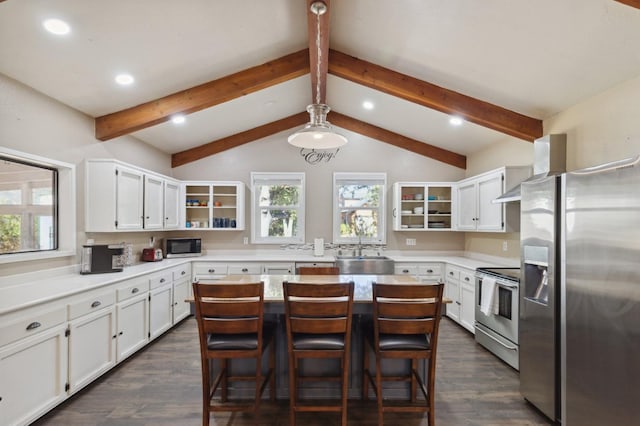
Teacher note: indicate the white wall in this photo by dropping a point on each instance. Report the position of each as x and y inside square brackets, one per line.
[34, 123]
[361, 154]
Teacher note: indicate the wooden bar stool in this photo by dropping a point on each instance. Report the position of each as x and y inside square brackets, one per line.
[318, 320]
[231, 326]
[405, 325]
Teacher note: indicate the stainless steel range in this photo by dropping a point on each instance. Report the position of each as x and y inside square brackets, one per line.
[497, 312]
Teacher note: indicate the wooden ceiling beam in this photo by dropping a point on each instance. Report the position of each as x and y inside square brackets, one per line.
[434, 97]
[203, 96]
[312, 30]
[395, 139]
[632, 3]
[220, 145]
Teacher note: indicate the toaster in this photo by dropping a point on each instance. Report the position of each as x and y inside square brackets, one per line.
[151, 255]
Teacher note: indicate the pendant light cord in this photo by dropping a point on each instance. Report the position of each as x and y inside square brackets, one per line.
[319, 58]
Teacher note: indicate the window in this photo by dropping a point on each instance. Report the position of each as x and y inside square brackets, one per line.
[358, 208]
[277, 208]
[37, 207]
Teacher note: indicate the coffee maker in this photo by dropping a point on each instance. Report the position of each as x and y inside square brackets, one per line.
[100, 259]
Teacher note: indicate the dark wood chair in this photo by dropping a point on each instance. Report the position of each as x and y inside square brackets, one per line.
[318, 270]
[318, 321]
[405, 325]
[231, 325]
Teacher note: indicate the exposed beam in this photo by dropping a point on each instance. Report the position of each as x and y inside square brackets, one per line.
[312, 30]
[215, 147]
[203, 96]
[398, 140]
[434, 97]
[632, 3]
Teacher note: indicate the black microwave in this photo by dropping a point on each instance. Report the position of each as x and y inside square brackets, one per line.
[182, 247]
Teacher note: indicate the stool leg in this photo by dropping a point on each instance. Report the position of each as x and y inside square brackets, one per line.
[225, 373]
[414, 369]
[206, 392]
[365, 369]
[379, 390]
[431, 388]
[256, 405]
[272, 367]
[345, 376]
[293, 374]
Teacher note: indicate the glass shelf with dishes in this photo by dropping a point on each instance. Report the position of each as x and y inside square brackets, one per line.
[421, 206]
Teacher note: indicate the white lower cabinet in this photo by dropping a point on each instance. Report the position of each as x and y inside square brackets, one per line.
[460, 288]
[92, 346]
[133, 325]
[33, 374]
[181, 291]
[160, 310]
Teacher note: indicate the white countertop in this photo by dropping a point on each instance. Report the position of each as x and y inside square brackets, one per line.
[26, 290]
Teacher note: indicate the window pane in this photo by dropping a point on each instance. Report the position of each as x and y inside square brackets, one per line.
[27, 207]
[278, 223]
[358, 223]
[359, 195]
[278, 195]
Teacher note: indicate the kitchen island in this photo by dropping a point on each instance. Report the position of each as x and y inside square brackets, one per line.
[362, 308]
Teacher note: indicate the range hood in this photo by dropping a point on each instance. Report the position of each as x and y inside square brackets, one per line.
[549, 159]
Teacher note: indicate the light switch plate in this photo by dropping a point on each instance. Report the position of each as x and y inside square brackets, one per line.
[411, 241]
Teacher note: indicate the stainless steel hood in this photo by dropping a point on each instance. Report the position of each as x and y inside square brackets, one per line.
[549, 158]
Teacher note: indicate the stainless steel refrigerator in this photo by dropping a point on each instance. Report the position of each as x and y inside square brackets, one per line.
[539, 327]
[600, 296]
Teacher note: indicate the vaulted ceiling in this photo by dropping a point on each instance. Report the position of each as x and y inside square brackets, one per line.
[240, 71]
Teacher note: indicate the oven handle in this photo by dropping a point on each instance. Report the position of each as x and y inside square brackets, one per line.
[503, 284]
[511, 348]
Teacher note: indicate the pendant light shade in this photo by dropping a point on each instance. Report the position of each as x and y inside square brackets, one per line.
[318, 133]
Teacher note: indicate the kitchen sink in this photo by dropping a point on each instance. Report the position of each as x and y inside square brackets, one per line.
[365, 265]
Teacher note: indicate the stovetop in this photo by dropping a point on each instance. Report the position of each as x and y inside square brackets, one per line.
[512, 274]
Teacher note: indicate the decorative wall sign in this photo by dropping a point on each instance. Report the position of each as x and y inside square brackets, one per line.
[312, 156]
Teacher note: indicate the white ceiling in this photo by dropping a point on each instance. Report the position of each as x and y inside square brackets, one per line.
[533, 57]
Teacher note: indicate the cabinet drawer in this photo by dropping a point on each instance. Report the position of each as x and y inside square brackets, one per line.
[467, 277]
[131, 289]
[160, 280]
[430, 270]
[32, 324]
[453, 274]
[90, 304]
[181, 272]
[202, 269]
[406, 269]
[247, 268]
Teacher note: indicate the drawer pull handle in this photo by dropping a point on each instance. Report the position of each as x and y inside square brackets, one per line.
[245, 270]
[430, 271]
[450, 273]
[212, 270]
[405, 271]
[135, 290]
[33, 325]
[466, 278]
[96, 304]
[183, 272]
[162, 280]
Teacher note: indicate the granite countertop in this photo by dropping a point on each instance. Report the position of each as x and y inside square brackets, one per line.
[26, 290]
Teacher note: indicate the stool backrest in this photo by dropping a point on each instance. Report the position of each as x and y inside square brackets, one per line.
[318, 308]
[407, 309]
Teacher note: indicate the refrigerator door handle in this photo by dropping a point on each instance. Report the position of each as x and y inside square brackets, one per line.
[511, 348]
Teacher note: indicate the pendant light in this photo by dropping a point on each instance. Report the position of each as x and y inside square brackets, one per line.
[318, 133]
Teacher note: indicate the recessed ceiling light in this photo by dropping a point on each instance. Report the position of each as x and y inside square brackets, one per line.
[455, 121]
[367, 105]
[178, 119]
[124, 79]
[56, 26]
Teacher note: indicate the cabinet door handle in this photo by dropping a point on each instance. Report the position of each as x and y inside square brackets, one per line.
[183, 272]
[96, 304]
[162, 280]
[450, 273]
[466, 278]
[245, 270]
[212, 271]
[430, 271]
[405, 271]
[135, 290]
[33, 325]
[394, 212]
[120, 334]
[458, 303]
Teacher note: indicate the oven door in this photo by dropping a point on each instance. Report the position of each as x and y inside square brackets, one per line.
[505, 322]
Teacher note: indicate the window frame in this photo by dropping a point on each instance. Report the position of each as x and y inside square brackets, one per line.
[361, 178]
[65, 205]
[277, 177]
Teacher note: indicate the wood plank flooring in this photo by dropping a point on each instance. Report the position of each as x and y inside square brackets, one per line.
[160, 385]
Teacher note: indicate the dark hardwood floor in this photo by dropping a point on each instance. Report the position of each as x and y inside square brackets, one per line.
[160, 385]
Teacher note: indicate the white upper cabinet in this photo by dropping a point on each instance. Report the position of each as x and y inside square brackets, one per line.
[474, 199]
[214, 205]
[422, 206]
[119, 197]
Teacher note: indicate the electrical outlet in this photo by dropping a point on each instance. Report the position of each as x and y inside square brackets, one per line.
[505, 246]
[245, 240]
[411, 241]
